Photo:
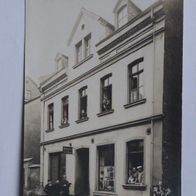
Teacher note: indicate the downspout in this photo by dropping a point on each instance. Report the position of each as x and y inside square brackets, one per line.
[153, 82]
[43, 139]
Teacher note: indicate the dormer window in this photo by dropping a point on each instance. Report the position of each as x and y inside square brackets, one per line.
[124, 11]
[122, 16]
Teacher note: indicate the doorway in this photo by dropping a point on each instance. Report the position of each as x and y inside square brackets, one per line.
[82, 172]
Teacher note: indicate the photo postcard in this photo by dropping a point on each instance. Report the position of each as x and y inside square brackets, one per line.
[103, 98]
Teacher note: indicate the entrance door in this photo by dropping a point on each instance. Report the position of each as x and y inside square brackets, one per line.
[57, 166]
[82, 172]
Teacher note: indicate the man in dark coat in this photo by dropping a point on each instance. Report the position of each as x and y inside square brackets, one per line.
[48, 189]
[57, 188]
[65, 186]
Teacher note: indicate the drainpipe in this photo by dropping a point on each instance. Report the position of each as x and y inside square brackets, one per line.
[153, 82]
[43, 139]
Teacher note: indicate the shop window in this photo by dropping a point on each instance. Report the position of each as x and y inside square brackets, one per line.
[79, 52]
[136, 81]
[83, 103]
[106, 175]
[65, 110]
[87, 45]
[57, 166]
[51, 116]
[122, 16]
[106, 93]
[135, 156]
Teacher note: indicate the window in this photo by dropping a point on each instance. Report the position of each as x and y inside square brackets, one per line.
[122, 16]
[87, 44]
[136, 81]
[135, 156]
[83, 103]
[57, 166]
[51, 116]
[65, 110]
[79, 52]
[106, 175]
[106, 93]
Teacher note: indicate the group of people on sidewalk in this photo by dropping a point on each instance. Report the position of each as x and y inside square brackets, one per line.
[59, 188]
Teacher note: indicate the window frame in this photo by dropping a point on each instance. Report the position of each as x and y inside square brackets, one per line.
[98, 167]
[84, 88]
[133, 186]
[88, 40]
[50, 110]
[64, 104]
[137, 63]
[78, 47]
[104, 78]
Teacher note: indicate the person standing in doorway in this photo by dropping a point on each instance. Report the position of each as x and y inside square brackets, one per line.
[65, 186]
[48, 189]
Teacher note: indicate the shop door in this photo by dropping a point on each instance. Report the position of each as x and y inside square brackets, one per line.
[82, 172]
[57, 166]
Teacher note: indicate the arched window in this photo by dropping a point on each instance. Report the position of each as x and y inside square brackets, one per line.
[122, 16]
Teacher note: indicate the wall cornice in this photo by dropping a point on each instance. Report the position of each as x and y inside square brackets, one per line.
[130, 32]
[106, 129]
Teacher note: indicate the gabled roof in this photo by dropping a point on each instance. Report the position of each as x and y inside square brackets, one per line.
[93, 16]
[131, 2]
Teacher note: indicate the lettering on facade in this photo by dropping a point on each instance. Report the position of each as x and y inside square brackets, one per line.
[67, 150]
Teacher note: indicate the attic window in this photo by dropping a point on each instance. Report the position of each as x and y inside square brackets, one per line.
[122, 16]
[79, 52]
[82, 27]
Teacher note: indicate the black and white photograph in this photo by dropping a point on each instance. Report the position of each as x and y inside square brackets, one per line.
[103, 98]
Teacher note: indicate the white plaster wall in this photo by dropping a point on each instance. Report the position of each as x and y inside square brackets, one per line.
[119, 95]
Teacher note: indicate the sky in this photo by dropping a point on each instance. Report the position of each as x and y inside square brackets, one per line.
[48, 26]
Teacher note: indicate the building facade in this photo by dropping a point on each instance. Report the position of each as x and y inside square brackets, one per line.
[112, 104]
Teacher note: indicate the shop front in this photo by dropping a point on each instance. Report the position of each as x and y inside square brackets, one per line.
[108, 163]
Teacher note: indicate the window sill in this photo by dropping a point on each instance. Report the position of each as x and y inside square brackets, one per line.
[82, 120]
[100, 193]
[49, 130]
[105, 113]
[134, 187]
[64, 125]
[134, 103]
[83, 61]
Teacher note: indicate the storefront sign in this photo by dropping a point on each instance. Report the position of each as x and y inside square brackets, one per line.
[67, 150]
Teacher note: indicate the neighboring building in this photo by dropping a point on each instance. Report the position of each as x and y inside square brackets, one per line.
[31, 174]
[32, 121]
[32, 131]
[26, 172]
[31, 89]
[117, 103]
